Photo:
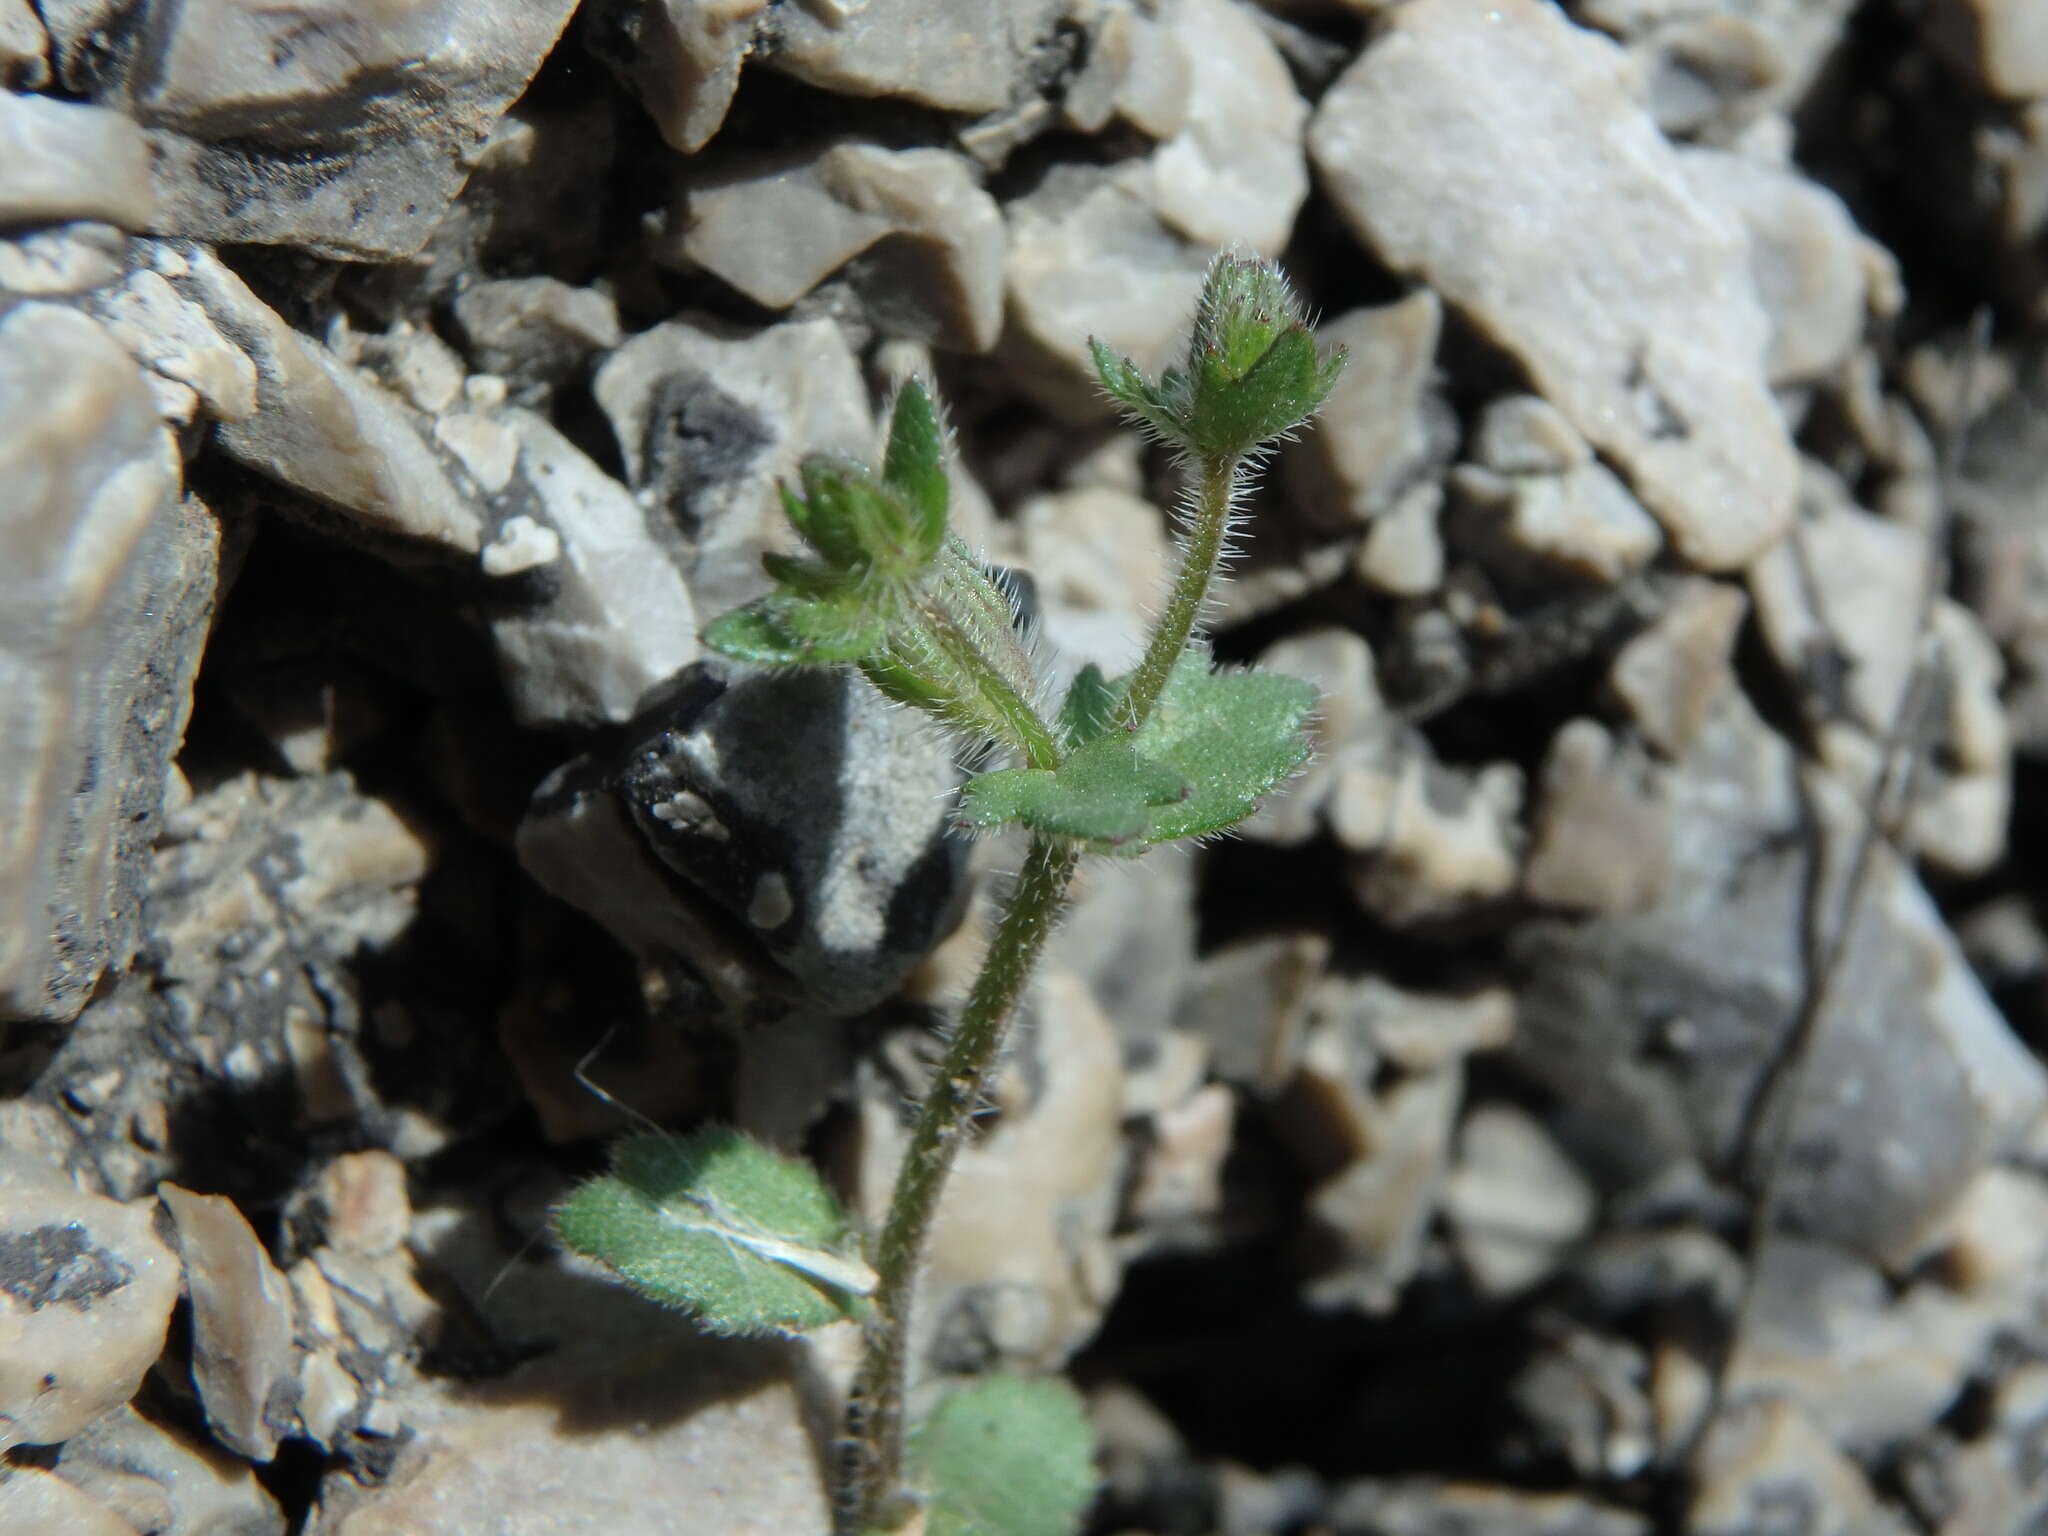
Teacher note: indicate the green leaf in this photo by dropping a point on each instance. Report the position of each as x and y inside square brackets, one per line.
[1144, 402]
[1005, 1456]
[785, 631]
[1233, 736]
[915, 466]
[1089, 707]
[1217, 742]
[743, 1239]
[1104, 795]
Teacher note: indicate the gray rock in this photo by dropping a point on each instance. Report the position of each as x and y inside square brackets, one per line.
[599, 614]
[709, 417]
[24, 47]
[1832, 602]
[1136, 69]
[1602, 836]
[1582, 1396]
[1514, 1201]
[242, 1356]
[1381, 429]
[1402, 553]
[1819, 278]
[192, 367]
[1527, 435]
[1350, 721]
[151, 1478]
[2000, 42]
[812, 812]
[918, 240]
[62, 160]
[1427, 842]
[1233, 174]
[1764, 1455]
[1713, 69]
[96, 699]
[1251, 1001]
[1667, 677]
[344, 132]
[959, 55]
[57, 263]
[798, 821]
[1656, 1030]
[1552, 529]
[1098, 559]
[534, 332]
[1090, 257]
[1678, 401]
[1130, 935]
[1427, 1507]
[680, 57]
[37, 1503]
[323, 429]
[86, 1290]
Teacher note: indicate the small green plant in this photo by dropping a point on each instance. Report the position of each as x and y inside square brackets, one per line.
[750, 1242]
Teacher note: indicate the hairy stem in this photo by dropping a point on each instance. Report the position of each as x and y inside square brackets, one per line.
[870, 1491]
[1200, 553]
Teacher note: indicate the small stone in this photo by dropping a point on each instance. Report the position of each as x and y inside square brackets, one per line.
[24, 47]
[1602, 836]
[1761, 1456]
[1233, 174]
[1581, 525]
[1402, 554]
[1677, 401]
[323, 429]
[535, 331]
[57, 263]
[771, 906]
[1527, 435]
[709, 417]
[1668, 676]
[489, 450]
[86, 1290]
[1378, 1208]
[1417, 1031]
[1135, 69]
[38, 1503]
[608, 615]
[2003, 43]
[172, 337]
[368, 1211]
[1250, 1002]
[239, 99]
[1514, 1200]
[1350, 717]
[241, 1320]
[1180, 1176]
[1378, 432]
[521, 545]
[1428, 843]
[1583, 1396]
[1098, 558]
[910, 230]
[158, 1480]
[957, 55]
[1428, 1506]
[63, 160]
[1817, 275]
[1089, 257]
[681, 57]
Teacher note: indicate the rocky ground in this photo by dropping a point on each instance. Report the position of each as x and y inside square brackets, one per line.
[388, 393]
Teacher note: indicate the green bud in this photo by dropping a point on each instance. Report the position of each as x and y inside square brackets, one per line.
[1252, 371]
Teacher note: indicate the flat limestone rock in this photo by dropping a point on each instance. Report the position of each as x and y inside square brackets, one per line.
[86, 1289]
[958, 55]
[925, 240]
[62, 160]
[93, 537]
[241, 1319]
[1498, 154]
[342, 128]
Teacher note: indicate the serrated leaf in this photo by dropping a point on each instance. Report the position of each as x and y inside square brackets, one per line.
[743, 1239]
[915, 464]
[785, 631]
[1234, 736]
[1142, 401]
[1089, 706]
[1103, 794]
[1005, 1456]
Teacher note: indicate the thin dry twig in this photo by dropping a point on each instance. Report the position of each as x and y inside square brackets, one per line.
[1825, 944]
